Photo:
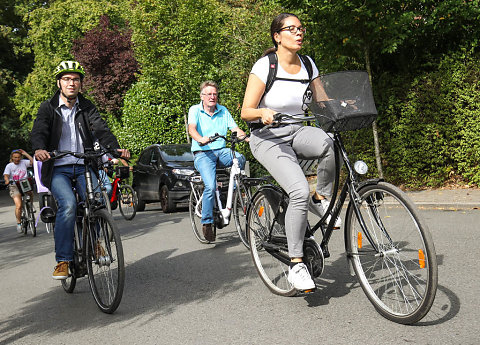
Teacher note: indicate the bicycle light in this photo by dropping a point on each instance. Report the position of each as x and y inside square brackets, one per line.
[360, 167]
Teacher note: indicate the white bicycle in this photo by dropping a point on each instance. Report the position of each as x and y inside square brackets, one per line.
[236, 199]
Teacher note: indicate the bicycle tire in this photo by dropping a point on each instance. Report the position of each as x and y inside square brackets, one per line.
[50, 227]
[105, 261]
[31, 219]
[260, 218]
[195, 210]
[401, 279]
[106, 201]
[241, 198]
[127, 202]
[23, 218]
[71, 281]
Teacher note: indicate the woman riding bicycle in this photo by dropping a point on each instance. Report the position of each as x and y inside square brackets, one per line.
[279, 148]
[17, 170]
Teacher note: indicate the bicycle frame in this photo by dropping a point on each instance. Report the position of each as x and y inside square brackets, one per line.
[115, 184]
[226, 211]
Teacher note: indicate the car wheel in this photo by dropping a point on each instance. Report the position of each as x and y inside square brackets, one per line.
[167, 204]
[140, 204]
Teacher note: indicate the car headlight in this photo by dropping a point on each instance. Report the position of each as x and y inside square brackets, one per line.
[185, 172]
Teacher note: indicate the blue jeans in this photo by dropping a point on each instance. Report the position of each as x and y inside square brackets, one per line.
[106, 182]
[206, 164]
[67, 206]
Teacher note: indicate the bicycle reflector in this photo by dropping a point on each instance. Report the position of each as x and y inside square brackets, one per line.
[421, 258]
[359, 240]
[260, 211]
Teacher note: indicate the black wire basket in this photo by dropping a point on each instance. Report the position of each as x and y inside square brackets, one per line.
[341, 101]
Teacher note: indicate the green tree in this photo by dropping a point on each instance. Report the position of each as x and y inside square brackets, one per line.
[106, 54]
[179, 44]
[52, 31]
[15, 63]
[388, 36]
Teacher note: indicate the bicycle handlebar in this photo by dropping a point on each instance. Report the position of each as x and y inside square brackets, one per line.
[279, 117]
[91, 155]
[233, 139]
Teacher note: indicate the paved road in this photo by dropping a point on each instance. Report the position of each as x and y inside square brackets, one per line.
[179, 291]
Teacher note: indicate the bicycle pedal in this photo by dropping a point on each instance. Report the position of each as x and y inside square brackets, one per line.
[307, 292]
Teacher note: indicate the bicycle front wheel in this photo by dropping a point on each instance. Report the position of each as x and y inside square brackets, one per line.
[195, 210]
[393, 255]
[268, 243]
[31, 219]
[71, 281]
[127, 202]
[105, 262]
[241, 199]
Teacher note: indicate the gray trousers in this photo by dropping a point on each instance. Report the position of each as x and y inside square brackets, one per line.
[278, 150]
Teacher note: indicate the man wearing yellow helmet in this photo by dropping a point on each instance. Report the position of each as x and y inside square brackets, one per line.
[67, 122]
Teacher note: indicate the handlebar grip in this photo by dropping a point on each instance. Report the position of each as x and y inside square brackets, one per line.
[210, 139]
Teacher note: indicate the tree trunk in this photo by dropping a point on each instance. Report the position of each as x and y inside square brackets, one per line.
[374, 125]
[185, 120]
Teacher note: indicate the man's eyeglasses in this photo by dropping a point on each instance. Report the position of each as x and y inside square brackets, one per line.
[293, 29]
[210, 94]
[68, 80]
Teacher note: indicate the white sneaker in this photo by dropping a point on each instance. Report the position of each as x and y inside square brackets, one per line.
[300, 278]
[19, 228]
[319, 209]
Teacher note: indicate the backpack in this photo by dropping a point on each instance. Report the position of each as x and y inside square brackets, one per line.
[272, 72]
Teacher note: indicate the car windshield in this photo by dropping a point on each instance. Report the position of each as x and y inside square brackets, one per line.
[176, 153]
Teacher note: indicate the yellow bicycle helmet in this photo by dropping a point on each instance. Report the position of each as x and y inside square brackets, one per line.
[69, 67]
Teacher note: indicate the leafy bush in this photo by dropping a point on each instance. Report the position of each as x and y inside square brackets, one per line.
[429, 125]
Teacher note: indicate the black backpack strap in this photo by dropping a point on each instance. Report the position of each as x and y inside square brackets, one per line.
[308, 65]
[272, 72]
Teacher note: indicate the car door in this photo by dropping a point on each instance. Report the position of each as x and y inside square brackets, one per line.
[140, 174]
[154, 176]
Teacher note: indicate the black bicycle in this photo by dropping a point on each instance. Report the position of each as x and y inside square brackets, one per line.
[387, 242]
[98, 249]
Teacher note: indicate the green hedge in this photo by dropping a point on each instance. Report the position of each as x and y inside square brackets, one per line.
[429, 124]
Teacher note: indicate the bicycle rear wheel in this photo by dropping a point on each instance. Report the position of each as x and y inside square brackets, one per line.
[269, 253]
[195, 210]
[127, 202]
[241, 199]
[106, 201]
[395, 262]
[105, 262]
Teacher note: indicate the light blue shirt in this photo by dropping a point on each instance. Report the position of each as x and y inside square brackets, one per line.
[220, 122]
[70, 139]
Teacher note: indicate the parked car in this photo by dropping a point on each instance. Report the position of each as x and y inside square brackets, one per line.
[160, 174]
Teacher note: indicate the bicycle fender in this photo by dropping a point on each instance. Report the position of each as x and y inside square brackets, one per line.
[361, 185]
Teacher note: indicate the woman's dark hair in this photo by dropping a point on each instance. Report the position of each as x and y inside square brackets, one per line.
[275, 27]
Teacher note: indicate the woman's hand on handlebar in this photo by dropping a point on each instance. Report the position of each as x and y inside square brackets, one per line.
[42, 155]
[267, 116]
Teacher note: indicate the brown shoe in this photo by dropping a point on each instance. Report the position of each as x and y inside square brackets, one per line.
[208, 232]
[61, 271]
